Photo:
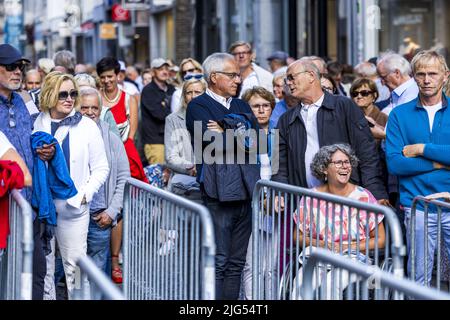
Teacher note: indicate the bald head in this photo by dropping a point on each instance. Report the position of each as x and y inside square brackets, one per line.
[32, 80]
[132, 73]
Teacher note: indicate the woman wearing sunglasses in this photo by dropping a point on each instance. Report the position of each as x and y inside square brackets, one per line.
[84, 154]
[364, 93]
[189, 69]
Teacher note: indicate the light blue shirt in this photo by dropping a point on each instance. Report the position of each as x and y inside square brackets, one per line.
[403, 94]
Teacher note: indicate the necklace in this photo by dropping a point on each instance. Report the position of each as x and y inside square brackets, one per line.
[111, 101]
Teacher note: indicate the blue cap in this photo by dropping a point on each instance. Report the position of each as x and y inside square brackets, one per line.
[9, 54]
[278, 55]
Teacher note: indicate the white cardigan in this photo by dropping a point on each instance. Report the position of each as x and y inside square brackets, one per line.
[89, 167]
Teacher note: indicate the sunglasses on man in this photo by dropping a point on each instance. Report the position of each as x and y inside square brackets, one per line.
[13, 66]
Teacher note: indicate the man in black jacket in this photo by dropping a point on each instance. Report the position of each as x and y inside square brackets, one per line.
[323, 119]
[155, 107]
[226, 185]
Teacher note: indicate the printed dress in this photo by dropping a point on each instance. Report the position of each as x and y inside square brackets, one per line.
[311, 218]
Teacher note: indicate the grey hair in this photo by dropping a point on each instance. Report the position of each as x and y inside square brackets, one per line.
[89, 91]
[366, 69]
[84, 79]
[308, 65]
[393, 61]
[215, 62]
[66, 59]
[322, 159]
[46, 65]
[316, 58]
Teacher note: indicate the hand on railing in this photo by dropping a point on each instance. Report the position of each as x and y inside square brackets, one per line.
[441, 195]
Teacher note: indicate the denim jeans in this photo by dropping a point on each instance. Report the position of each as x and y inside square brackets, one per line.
[420, 241]
[232, 229]
[98, 241]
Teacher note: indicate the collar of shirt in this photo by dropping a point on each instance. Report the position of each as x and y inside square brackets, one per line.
[318, 103]
[401, 89]
[223, 101]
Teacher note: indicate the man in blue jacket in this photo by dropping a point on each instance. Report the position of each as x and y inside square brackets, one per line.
[417, 151]
[226, 186]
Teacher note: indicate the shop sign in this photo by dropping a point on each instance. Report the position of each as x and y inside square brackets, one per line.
[108, 31]
[119, 13]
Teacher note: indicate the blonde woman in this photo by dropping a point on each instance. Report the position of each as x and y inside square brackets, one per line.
[178, 152]
[83, 149]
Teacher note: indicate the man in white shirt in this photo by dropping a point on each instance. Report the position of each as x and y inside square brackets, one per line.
[395, 73]
[252, 75]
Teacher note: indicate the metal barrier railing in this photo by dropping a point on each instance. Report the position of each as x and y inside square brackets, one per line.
[168, 244]
[16, 263]
[425, 240]
[370, 276]
[91, 283]
[280, 245]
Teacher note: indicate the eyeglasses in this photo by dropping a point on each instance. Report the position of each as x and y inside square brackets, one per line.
[340, 163]
[385, 76]
[243, 53]
[13, 66]
[12, 118]
[265, 106]
[291, 77]
[231, 75]
[196, 76]
[93, 108]
[63, 95]
[363, 93]
[189, 70]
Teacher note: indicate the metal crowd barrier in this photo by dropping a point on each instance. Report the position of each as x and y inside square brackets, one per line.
[16, 262]
[91, 283]
[426, 239]
[280, 248]
[168, 244]
[369, 276]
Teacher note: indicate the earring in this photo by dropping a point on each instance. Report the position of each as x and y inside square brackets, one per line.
[326, 178]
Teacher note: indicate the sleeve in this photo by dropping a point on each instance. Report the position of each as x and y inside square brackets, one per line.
[5, 145]
[123, 173]
[280, 175]
[98, 163]
[438, 153]
[398, 164]
[153, 106]
[365, 147]
[174, 144]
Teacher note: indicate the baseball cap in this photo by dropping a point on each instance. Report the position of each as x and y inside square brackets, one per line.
[9, 54]
[278, 55]
[122, 66]
[158, 63]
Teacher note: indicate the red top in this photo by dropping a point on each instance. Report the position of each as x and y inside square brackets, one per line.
[121, 113]
[11, 177]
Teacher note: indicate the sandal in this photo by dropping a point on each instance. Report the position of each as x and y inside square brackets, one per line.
[116, 273]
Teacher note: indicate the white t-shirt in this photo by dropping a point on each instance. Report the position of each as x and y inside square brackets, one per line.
[432, 113]
[5, 145]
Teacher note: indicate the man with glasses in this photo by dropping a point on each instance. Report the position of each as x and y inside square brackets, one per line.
[323, 119]
[226, 184]
[252, 75]
[155, 107]
[417, 144]
[395, 73]
[16, 124]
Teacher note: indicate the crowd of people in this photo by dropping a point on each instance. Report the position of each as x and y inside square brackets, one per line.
[378, 133]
